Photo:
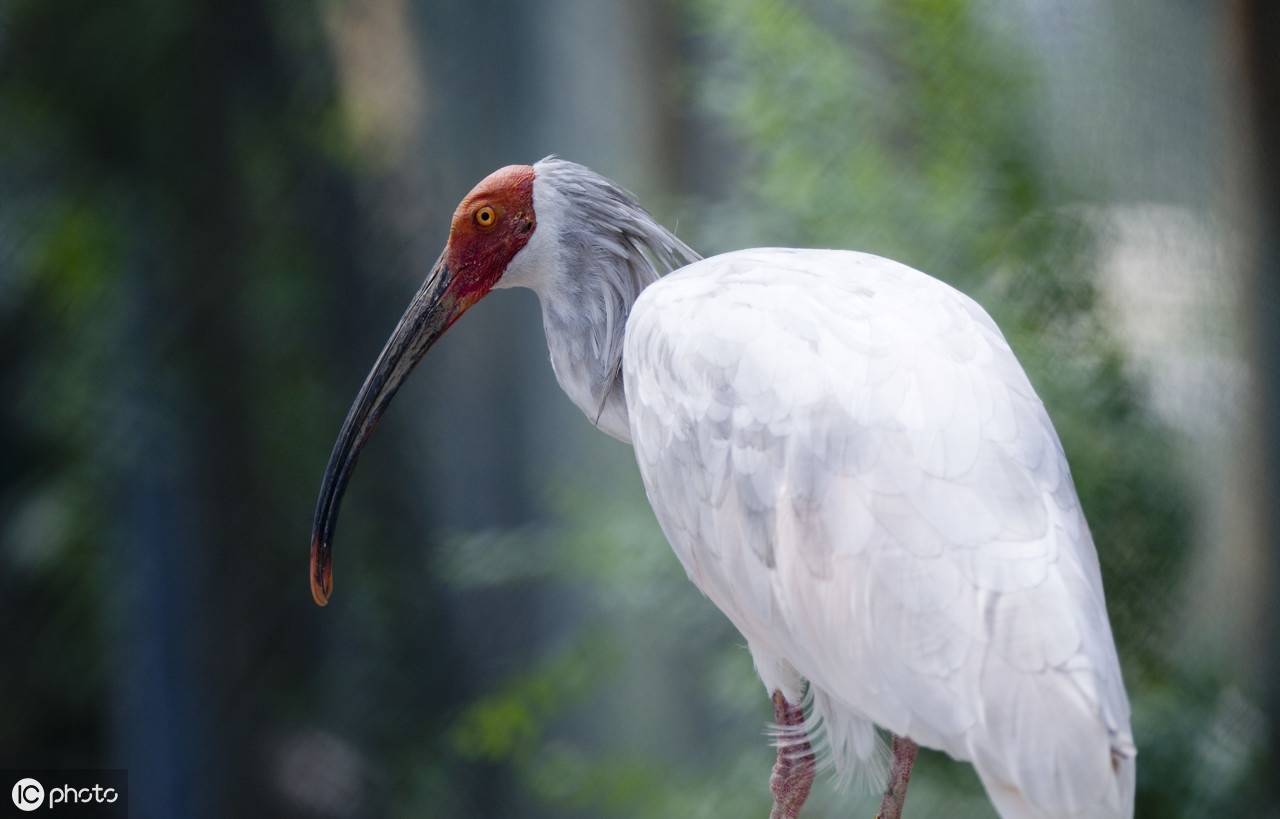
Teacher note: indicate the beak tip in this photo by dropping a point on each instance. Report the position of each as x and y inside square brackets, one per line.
[321, 588]
[321, 575]
[319, 595]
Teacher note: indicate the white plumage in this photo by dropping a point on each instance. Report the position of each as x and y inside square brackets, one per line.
[850, 462]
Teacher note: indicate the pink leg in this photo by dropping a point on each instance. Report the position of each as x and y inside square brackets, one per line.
[895, 791]
[793, 772]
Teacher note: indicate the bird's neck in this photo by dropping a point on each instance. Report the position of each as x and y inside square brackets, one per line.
[587, 277]
[585, 305]
[585, 326]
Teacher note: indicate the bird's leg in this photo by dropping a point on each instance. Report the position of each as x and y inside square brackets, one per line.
[793, 772]
[895, 791]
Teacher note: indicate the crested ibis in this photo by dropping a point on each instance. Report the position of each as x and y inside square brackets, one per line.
[847, 459]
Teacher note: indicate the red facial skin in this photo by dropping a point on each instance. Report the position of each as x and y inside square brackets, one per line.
[477, 254]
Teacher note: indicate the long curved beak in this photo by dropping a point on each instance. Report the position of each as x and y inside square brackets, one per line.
[430, 313]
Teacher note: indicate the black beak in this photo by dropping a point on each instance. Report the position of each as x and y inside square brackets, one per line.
[433, 309]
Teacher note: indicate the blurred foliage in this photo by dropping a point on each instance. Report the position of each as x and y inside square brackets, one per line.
[186, 240]
[179, 249]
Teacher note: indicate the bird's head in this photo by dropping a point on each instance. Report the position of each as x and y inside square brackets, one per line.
[591, 232]
[491, 225]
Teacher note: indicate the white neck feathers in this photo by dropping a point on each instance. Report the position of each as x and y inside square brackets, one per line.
[593, 251]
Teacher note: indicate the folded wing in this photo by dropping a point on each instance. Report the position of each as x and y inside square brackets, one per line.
[850, 462]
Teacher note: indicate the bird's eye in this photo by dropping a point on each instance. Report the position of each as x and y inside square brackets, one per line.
[485, 217]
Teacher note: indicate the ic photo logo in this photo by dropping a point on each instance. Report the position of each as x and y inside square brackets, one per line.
[90, 794]
[28, 794]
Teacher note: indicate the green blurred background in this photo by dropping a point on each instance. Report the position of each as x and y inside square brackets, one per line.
[213, 211]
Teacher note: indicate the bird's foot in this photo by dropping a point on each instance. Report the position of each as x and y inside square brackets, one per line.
[895, 791]
[794, 770]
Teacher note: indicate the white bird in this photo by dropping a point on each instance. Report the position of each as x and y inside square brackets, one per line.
[849, 462]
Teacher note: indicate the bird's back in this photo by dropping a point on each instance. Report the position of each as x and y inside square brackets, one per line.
[849, 461]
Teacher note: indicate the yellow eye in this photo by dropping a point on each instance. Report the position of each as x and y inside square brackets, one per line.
[485, 217]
